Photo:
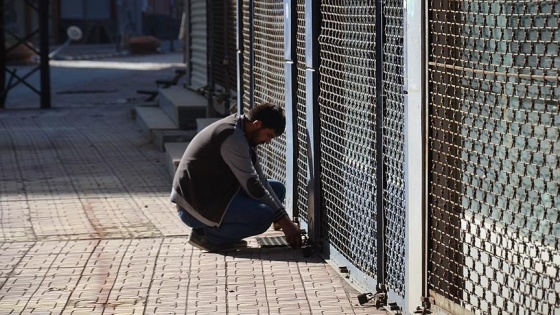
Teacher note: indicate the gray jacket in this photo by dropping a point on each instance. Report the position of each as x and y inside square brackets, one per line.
[216, 164]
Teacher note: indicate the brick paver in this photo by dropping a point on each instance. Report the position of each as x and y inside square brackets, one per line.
[86, 227]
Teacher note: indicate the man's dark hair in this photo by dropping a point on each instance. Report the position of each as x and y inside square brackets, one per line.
[272, 116]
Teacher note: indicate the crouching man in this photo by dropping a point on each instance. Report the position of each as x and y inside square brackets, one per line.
[219, 187]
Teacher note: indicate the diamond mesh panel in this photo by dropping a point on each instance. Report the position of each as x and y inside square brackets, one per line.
[347, 112]
[393, 145]
[302, 160]
[493, 144]
[269, 77]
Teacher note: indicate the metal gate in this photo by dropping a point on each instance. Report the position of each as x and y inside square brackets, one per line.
[493, 169]
[427, 150]
[350, 116]
[361, 105]
[263, 71]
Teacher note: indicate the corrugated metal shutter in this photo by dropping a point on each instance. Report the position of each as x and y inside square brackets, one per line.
[14, 17]
[198, 57]
[71, 9]
[98, 9]
[85, 9]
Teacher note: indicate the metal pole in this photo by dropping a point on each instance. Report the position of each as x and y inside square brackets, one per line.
[379, 111]
[3, 90]
[209, 56]
[239, 55]
[226, 58]
[313, 126]
[290, 70]
[252, 53]
[44, 54]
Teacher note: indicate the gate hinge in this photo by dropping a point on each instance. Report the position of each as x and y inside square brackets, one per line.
[426, 306]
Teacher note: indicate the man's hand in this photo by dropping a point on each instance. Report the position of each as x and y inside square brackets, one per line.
[291, 230]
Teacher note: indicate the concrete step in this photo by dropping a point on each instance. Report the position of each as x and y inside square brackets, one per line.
[174, 152]
[151, 118]
[183, 106]
[162, 136]
[202, 123]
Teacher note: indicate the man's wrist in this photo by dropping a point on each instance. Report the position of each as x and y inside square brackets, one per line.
[279, 214]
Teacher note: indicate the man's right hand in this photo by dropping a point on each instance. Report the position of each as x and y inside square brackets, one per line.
[292, 232]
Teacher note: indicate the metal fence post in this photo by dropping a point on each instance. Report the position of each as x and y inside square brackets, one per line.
[3, 90]
[415, 146]
[290, 69]
[239, 55]
[251, 53]
[379, 115]
[312, 25]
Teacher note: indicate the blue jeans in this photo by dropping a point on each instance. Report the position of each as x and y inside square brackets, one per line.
[244, 217]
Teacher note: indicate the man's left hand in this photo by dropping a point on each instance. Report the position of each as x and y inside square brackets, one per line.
[292, 232]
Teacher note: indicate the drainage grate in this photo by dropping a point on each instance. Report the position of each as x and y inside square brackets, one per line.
[272, 241]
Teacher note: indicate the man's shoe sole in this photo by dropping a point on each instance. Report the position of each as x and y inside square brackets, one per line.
[220, 248]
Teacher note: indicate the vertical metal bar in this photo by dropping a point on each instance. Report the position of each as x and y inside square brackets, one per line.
[290, 70]
[415, 145]
[379, 117]
[3, 90]
[239, 56]
[209, 56]
[44, 54]
[226, 58]
[312, 24]
[187, 41]
[251, 53]
[423, 12]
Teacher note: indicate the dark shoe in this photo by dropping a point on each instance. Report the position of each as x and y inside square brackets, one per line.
[199, 240]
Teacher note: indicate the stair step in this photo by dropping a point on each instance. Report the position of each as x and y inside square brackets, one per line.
[183, 106]
[152, 118]
[163, 136]
[174, 152]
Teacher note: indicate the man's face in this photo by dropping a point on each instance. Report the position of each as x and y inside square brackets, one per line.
[262, 136]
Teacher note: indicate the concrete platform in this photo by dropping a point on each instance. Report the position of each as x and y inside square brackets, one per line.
[183, 106]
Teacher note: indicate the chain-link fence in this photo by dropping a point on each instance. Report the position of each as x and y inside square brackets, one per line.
[493, 123]
[269, 77]
[302, 150]
[393, 145]
[493, 141]
[347, 112]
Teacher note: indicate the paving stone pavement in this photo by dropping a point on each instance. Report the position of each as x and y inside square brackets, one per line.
[86, 226]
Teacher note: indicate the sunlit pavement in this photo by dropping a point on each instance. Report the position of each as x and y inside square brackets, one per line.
[86, 226]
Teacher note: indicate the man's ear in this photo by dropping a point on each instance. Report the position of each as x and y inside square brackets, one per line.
[257, 124]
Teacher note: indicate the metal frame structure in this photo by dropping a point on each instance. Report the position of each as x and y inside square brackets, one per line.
[42, 10]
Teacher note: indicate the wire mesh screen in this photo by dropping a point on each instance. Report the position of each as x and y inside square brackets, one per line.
[347, 114]
[494, 124]
[269, 76]
[393, 145]
[302, 159]
[247, 46]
